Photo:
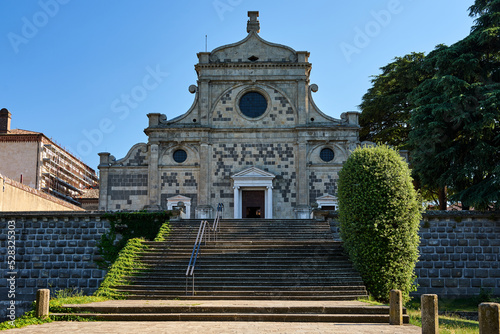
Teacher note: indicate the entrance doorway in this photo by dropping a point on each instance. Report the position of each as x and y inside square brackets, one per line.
[253, 203]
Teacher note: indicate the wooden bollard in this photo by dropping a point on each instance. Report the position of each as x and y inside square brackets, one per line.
[489, 318]
[42, 303]
[395, 308]
[429, 309]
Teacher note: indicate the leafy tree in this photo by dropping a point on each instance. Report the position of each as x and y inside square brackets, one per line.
[380, 217]
[455, 136]
[386, 107]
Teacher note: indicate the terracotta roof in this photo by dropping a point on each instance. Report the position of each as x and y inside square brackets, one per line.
[90, 193]
[22, 132]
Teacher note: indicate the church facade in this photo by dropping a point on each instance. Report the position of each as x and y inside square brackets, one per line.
[253, 140]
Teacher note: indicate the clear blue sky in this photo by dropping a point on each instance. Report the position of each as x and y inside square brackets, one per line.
[66, 64]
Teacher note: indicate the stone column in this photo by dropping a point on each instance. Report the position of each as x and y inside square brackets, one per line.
[429, 309]
[103, 180]
[153, 178]
[237, 206]
[396, 308]
[269, 204]
[489, 318]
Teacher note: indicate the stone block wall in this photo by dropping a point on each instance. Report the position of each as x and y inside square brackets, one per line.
[53, 250]
[459, 253]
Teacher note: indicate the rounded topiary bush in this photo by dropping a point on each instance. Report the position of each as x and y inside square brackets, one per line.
[380, 214]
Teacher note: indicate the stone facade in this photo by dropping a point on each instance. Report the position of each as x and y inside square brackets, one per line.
[254, 119]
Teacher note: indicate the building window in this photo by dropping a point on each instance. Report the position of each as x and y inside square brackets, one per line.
[180, 156]
[326, 154]
[253, 104]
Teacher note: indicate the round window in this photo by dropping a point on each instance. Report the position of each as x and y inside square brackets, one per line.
[326, 154]
[253, 104]
[180, 156]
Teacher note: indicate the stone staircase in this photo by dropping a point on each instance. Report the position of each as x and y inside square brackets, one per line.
[252, 259]
[257, 270]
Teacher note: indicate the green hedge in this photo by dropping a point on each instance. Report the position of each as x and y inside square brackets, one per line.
[379, 213]
[128, 225]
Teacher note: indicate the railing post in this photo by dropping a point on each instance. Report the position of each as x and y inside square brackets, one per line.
[489, 318]
[396, 308]
[429, 308]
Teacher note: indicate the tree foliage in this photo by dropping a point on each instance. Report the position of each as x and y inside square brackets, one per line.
[455, 136]
[380, 217]
[445, 108]
[386, 107]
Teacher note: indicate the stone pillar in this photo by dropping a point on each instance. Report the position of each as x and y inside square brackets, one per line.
[429, 309]
[204, 210]
[42, 303]
[489, 318]
[153, 178]
[103, 180]
[396, 308]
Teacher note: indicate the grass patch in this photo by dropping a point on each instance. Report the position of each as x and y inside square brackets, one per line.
[163, 233]
[370, 300]
[447, 324]
[126, 264]
[61, 297]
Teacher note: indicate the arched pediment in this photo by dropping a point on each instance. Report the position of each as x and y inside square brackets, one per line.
[253, 49]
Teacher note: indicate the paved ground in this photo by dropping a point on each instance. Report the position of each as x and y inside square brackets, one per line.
[215, 327]
[203, 327]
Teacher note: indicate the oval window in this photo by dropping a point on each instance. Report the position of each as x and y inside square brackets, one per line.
[180, 156]
[326, 154]
[253, 104]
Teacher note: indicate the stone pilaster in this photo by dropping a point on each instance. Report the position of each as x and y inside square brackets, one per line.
[103, 180]
[302, 211]
[153, 178]
[204, 209]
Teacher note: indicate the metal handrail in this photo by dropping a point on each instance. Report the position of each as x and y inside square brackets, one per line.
[218, 216]
[195, 252]
[204, 225]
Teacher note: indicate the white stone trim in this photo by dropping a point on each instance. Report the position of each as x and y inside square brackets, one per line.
[253, 178]
[173, 201]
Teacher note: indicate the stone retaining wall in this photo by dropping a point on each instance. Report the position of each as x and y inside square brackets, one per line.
[53, 250]
[459, 252]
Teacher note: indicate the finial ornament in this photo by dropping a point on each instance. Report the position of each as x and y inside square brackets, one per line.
[253, 23]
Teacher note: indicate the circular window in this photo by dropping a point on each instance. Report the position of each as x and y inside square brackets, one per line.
[253, 104]
[180, 156]
[326, 154]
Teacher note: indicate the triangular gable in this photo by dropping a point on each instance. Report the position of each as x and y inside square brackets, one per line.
[179, 198]
[327, 197]
[253, 172]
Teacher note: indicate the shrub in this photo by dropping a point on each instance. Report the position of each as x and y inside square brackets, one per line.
[379, 213]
